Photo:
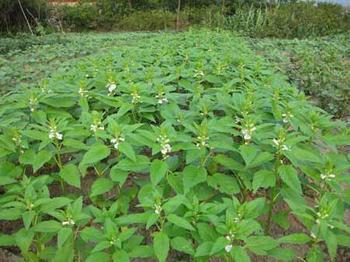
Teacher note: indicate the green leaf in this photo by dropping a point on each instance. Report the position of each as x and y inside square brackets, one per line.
[120, 256]
[28, 218]
[331, 241]
[261, 244]
[289, 176]
[63, 235]
[180, 222]
[282, 254]
[40, 159]
[140, 165]
[315, 254]
[91, 234]
[219, 245]
[10, 214]
[36, 160]
[224, 183]
[99, 256]
[96, 153]
[128, 150]
[183, 245]
[264, 179]
[118, 175]
[192, 176]
[303, 155]
[24, 239]
[229, 163]
[239, 254]
[142, 252]
[54, 203]
[204, 249]
[140, 218]
[296, 238]
[71, 175]
[158, 171]
[50, 226]
[161, 246]
[101, 186]
[101, 246]
[7, 240]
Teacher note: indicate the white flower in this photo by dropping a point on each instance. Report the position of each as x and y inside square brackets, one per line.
[17, 139]
[68, 222]
[161, 98]
[199, 73]
[163, 101]
[165, 147]
[96, 126]
[135, 97]
[228, 248]
[278, 143]
[93, 128]
[248, 131]
[157, 209]
[82, 92]
[116, 141]
[285, 148]
[202, 141]
[327, 176]
[286, 117]
[33, 101]
[54, 134]
[111, 87]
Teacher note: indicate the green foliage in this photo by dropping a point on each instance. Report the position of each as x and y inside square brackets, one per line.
[291, 20]
[11, 16]
[170, 140]
[287, 19]
[80, 16]
[319, 67]
[27, 59]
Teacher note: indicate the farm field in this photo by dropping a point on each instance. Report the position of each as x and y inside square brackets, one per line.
[192, 146]
[319, 67]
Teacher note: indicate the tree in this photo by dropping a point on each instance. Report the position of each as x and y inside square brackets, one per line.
[178, 15]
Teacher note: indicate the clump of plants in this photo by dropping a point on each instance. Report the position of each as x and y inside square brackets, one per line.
[290, 20]
[319, 67]
[177, 148]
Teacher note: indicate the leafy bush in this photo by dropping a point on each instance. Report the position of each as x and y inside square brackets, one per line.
[285, 20]
[319, 67]
[291, 20]
[177, 147]
[78, 17]
[152, 20]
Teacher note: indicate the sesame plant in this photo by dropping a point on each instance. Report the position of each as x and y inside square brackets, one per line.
[320, 67]
[179, 148]
[25, 60]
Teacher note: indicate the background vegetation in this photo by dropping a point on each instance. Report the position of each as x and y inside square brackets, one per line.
[286, 19]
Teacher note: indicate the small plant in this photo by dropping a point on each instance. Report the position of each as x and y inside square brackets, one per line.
[179, 147]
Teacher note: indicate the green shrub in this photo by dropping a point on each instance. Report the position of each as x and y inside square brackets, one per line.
[319, 67]
[151, 20]
[79, 17]
[292, 20]
[177, 148]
